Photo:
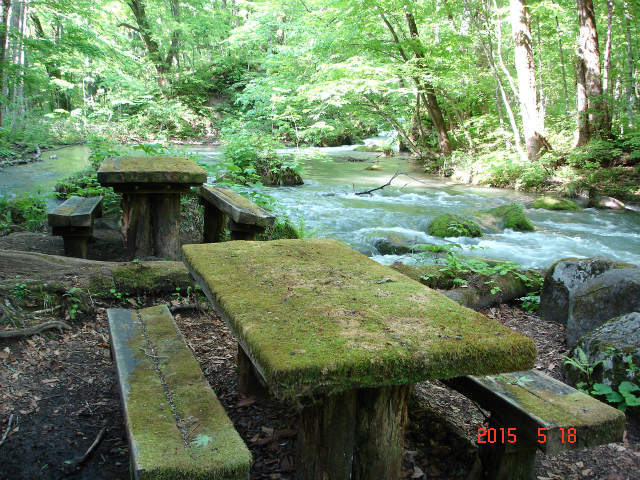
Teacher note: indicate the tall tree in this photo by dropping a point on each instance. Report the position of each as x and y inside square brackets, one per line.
[532, 117]
[593, 117]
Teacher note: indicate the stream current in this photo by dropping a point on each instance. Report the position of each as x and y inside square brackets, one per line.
[327, 206]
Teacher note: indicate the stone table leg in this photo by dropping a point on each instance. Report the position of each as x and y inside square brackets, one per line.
[214, 224]
[136, 225]
[248, 379]
[243, 232]
[76, 245]
[357, 435]
[165, 220]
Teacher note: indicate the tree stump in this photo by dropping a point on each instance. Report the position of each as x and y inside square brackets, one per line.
[358, 434]
[165, 219]
[214, 224]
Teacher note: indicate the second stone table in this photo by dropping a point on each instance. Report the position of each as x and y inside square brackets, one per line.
[151, 189]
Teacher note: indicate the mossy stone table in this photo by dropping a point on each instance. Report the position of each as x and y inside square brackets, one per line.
[151, 188]
[344, 338]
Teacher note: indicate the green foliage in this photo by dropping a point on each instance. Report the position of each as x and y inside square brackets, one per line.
[624, 395]
[85, 184]
[27, 212]
[597, 153]
[20, 291]
[72, 300]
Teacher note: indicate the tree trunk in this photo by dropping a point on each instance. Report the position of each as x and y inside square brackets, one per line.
[606, 74]
[563, 68]
[632, 100]
[532, 121]
[4, 45]
[584, 127]
[589, 55]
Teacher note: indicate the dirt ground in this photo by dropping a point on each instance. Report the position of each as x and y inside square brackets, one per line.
[59, 392]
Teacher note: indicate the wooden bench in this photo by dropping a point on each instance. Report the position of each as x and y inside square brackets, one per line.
[177, 428]
[73, 220]
[531, 411]
[246, 220]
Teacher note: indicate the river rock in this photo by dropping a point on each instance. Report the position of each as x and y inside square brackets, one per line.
[609, 203]
[611, 343]
[606, 296]
[452, 225]
[555, 203]
[507, 216]
[394, 245]
[564, 277]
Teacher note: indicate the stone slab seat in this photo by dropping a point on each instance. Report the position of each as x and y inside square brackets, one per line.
[73, 220]
[177, 428]
[245, 218]
[528, 401]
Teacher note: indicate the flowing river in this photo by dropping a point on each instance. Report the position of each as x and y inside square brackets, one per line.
[327, 206]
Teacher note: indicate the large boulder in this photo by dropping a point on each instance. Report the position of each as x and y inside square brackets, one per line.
[563, 278]
[512, 216]
[611, 344]
[394, 244]
[606, 296]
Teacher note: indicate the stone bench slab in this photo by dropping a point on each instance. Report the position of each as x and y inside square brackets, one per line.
[160, 170]
[76, 212]
[177, 427]
[239, 209]
[528, 400]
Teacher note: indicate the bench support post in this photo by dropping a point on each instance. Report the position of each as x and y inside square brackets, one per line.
[358, 434]
[214, 224]
[244, 232]
[505, 462]
[248, 380]
[76, 245]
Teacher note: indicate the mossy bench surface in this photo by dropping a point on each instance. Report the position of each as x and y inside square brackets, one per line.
[529, 400]
[236, 207]
[156, 170]
[176, 425]
[75, 212]
[316, 316]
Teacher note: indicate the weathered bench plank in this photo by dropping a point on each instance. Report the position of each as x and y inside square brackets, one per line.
[73, 220]
[543, 413]
[177, 427]
[245, 218]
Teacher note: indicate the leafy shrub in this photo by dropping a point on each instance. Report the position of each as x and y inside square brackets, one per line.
[85, 184]
[597, 153]
[27, 212]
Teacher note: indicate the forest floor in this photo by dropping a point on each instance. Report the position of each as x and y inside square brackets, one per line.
[60, 391]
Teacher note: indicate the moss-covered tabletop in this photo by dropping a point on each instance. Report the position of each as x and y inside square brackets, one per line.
[345, 337]
[157, 170]
[317, 317]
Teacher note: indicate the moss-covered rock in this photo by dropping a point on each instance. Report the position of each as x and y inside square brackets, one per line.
[317, 317]
[452, 225]
[554, 203]
[512, 216]
[433, 276]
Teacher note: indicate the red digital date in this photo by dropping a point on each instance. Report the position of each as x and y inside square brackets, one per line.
[497, 435]
[567, 435]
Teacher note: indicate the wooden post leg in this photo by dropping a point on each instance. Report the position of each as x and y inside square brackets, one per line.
[136, 225]
[326, 438]
[75, 245]
[248, 380]
[165, 221]
[508, 462]
[381, 420]
[214, 224]
[243, 232]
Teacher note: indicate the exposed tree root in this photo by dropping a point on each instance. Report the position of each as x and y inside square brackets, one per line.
[29, 331]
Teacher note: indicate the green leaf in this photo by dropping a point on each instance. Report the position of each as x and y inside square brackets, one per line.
[202, 441]
[601, 389]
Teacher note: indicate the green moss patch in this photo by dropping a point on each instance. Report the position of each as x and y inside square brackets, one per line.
[512, 217]
[554, 203]
[319, 317]
[452, 225]
[178, 429]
